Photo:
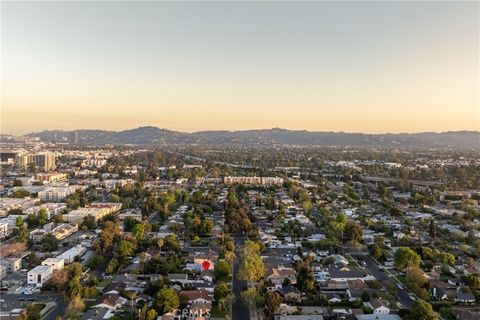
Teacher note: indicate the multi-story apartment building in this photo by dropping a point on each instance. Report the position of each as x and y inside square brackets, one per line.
[51, 177]
[4, 230]
[94, 163]
[56, 264]
[55, 194]
[72, 253]
[43, 161]
[267, 181]
[38, 275]
[77, 216]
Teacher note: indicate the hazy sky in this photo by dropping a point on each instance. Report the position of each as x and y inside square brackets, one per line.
[324, 66]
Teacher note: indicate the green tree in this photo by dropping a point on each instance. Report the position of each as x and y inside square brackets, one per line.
[250, 297]
[42, 215]
[104, 242]
[152, 314]
[88, 223]
[49, 243]
[166, 300]
[33, 258]
[272, 302]
[58, 218]
[115, 198]
[375, 250]
[33, 312]
[75, 306]
[406, 258]
[222, 271]
[74, 270]
[221, 290]
[353, 232]
[307, 206]
[126, 248]
[422, 310]
[139, 231]
[305, 277]
[251, 268]
[112, 266]
[19, 222]
[432, 229]
[473, 281]
[95, 261]
[73, 288]
[20, 193]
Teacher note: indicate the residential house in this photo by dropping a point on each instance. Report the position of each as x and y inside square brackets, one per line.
[378, 306]
[38, 275]
[465, 298]
[197, 296]
[278, 275]
[291, 294]
[111, 301]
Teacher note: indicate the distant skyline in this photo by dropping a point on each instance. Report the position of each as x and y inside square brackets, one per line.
[371, 67]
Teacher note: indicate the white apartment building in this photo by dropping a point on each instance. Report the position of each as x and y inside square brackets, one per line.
[242, 180]
[266, 181]
[38, 275]
[94, 163]
[77, 216]
[56, 264]
[12, 264]
[112, 207]
[72, 253]
[55, 194]
[4, 230]
[60, 232]
[272, 181]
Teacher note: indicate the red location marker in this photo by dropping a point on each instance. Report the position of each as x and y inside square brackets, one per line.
[206, 265]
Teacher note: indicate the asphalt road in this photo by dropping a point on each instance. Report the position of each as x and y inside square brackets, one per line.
[239, 310]
[58, 311]
[386, 279]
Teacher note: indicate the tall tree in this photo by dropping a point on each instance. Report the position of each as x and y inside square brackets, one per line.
[422, 310]
[406, 258]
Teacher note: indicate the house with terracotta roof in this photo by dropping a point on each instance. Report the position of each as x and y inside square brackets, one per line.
[278, 275]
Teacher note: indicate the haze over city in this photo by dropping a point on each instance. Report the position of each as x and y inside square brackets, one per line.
[240, 160]
[369, 67]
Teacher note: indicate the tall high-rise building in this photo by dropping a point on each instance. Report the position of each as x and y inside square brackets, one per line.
[43, 161]
[74, 137]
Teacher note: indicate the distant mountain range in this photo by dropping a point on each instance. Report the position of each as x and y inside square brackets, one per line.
[267, 137]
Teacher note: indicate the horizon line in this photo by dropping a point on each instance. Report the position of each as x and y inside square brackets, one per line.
[240, 130]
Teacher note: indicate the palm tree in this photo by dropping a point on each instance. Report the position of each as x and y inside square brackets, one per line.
[132, 295]
[196, 223]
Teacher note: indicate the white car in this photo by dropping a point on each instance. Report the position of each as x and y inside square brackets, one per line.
[412, 297]
[400, 286]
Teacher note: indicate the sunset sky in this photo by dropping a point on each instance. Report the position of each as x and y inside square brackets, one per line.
[322, 66]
